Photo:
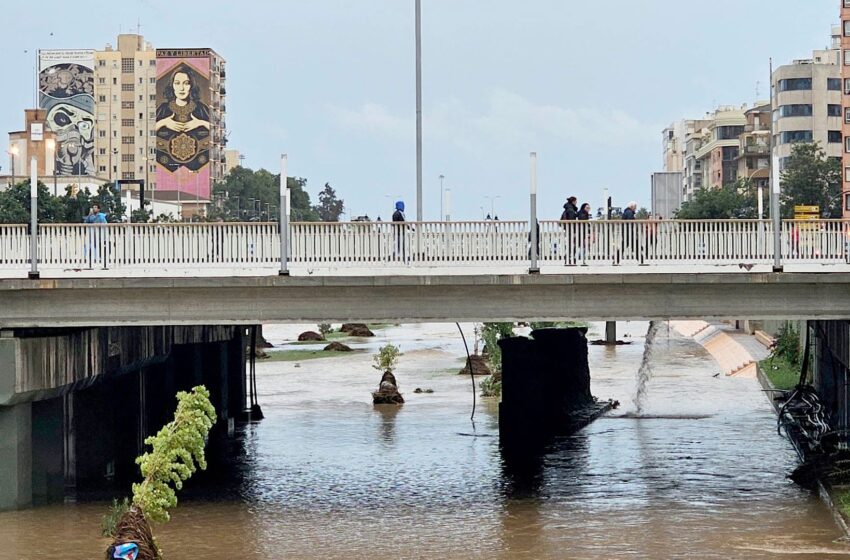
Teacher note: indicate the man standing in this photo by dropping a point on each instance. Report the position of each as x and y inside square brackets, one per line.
[96, 237]
[398, 230]
[629, 232]
[570, 214]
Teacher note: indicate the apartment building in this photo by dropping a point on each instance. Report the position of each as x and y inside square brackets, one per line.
[807, 103]
[844, 56]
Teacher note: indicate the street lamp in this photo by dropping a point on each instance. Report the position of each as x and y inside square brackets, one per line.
[13, 152]
[442, 196]
[492, 199]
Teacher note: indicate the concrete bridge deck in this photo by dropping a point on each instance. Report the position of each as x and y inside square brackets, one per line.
[484, 297]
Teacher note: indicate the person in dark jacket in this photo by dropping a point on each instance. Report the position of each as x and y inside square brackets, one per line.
[569, 214]
[584, 212]
[398, 230]
[629, 230]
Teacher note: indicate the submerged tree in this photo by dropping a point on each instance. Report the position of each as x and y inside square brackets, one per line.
[177, 451]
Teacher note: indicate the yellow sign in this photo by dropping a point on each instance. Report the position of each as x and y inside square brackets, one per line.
[806, 212]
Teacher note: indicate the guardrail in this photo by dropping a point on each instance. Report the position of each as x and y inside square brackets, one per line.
[424, 244]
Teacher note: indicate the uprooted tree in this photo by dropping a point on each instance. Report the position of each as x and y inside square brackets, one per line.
[177, 450]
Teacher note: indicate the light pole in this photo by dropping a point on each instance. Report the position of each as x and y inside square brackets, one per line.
[533, 269]
[448, 205]
[33, 273]
[775, 186]
[50, 144]
[442, 196]
[492, 199]
[418, 111]
[284, 217]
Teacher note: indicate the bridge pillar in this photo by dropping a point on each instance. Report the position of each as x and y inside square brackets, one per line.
[545, 387]
[15, 456]
[611, 332]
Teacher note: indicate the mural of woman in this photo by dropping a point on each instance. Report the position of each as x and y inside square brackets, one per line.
[183, 122]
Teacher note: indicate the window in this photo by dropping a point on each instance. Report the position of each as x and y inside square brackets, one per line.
[729, 132]
[126, 175]
[128, 105]
[847, 115]
[114, 81]
[833, 136]
[115, 134]
[102, 151]
[102, 168]
[127, 122]
[833, 84]
[153, 97]
[101, 63]
[794, 136]
[153, 81]
[101, 98]
[132, 140]
[833, 110]
[142, 133]
[141, 116]
[127, 158]
[101, 81]
[101, 133]
[127, 65]
[141, 80]
[847, 145]
[795, 111]
[795, 84]
[153, 62]
[127, 87]
[730, 153]
[141, 98]
[846, 57]
[140, 64]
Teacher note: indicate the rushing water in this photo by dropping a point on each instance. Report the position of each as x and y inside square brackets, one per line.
[644, 372]
[700, 473]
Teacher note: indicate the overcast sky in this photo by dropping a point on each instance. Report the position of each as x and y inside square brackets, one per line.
[588, 85]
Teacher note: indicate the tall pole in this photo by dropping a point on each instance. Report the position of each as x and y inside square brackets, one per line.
[33, 274]
[775, 188]
[442, 197]
[418, 111]
[284, 218]
[533, 269]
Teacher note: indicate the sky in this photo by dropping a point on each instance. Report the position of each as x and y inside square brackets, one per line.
[589, 86]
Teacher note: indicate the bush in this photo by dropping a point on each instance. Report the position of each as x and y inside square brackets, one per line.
[491, 333]
[787, 345]
[110, 520]
[325, 329]
[386, 358]
[491, 387]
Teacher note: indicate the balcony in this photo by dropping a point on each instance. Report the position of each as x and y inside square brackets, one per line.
[756, 150]
[222, 91]
[222, 73]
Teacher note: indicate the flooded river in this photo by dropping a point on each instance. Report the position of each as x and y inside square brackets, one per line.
[699, 474]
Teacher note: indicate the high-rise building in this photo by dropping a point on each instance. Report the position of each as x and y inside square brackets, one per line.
[133, 112]
[807, 104]
[844, 59]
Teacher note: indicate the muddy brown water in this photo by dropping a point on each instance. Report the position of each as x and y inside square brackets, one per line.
[700, 473]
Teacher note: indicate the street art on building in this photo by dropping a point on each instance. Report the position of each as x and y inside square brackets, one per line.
[66, 93]
[183, 122]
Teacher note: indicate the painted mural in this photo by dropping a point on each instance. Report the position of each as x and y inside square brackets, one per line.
[183, 124]
[66, 92]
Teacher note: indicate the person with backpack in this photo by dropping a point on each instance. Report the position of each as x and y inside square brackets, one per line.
[398, 230]
[570, 214]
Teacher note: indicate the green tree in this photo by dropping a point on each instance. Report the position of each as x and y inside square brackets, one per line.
[811, 178]
[642, 214]
[245, 194]
[731, 201]
[329, 207]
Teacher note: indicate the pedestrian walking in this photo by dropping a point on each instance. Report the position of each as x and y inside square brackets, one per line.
[583, 234]
[96, 237]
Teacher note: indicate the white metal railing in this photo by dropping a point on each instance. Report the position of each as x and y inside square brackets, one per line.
[373, 245]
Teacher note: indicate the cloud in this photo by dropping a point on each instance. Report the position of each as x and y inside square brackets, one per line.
[506, 120]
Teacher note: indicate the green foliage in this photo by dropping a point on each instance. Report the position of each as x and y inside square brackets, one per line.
[782, 374]
[557, 325]
[491, 333]
[177, 451]
[67, 208]
[110, 520]
[642, 214]
[787, 345]
[811, 178]
[325, 329]
[243, 187]
[491, 386]
[330, 207]
[386, 358]
[732, 201]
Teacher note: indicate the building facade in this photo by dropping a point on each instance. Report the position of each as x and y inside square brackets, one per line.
[807, 105]
[844, 44]
[114, 115]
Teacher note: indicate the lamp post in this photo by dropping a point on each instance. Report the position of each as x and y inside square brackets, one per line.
[775, 186]
[50, 155]
[33, 273]
[448, 205]
[533, 268]
[418, 112]
[284, 217]
[492, 199]
[442, 197]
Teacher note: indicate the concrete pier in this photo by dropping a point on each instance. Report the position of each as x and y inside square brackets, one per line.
[77, 404]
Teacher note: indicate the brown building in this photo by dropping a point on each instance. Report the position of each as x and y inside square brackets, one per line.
[845, 102]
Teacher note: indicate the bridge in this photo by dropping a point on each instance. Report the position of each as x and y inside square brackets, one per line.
[228, 274]
[423, 248]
